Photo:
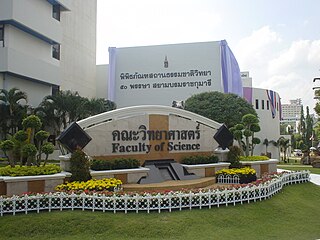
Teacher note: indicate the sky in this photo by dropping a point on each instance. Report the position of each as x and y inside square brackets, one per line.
[277, 41]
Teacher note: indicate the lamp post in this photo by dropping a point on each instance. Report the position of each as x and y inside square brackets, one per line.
[314, 88]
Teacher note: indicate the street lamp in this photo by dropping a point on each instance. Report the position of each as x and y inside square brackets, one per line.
[315, 79]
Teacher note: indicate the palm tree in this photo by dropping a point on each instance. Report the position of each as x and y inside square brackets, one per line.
[98, 105]
[64, 108]
[266, 142]
[4, 119]
[284, 144]
[12, 101]
[50, 117]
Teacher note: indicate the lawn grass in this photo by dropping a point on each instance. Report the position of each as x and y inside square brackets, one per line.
[293, 213]
[299, 168]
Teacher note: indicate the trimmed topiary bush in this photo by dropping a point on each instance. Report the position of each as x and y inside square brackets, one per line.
[199, 159]
[7, 146]
[118, 163]
[79, 166]
[30, 151]
[234, 156]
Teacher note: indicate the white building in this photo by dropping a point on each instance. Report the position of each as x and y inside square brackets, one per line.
[131, 81]
[291, 113]
[47, 45]
[50, 45]
[267, 104]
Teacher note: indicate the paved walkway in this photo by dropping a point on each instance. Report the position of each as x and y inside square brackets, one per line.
[315, 178]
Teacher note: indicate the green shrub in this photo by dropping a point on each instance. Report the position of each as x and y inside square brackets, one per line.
[199, 159]
[254, 158]
[79, 166]
[29, 170]
[101, 164]
[29, 150]
[117, 163]
[234, 156]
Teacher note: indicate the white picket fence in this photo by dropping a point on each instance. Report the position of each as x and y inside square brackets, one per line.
[228, 179]
[149, 202]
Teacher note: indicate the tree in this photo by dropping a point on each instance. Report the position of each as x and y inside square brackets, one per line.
[302, 125]
[21, 138]
[33, 122]
[297, 141]
[250, 123]
[6, 146]
[11, 101]
[266, 142]
[309, 129]
[47, 149]
[246, 129]
[95, 106]
[40, 136]
[284, 144]
[30, 151]
[79, 166]
[238, 135]
[220, 107]
[50, 116]
[254, 140]
[4, 119]
[58, 111]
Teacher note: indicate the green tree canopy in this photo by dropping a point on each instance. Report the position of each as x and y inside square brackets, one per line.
[11, 109]
[59, 110]
[220, 107]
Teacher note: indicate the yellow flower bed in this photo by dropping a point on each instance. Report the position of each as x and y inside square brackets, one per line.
[106, 184]
[254, 158]
[238, 171]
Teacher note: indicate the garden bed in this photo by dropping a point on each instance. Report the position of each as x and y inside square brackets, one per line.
[42, 183]
[146, 202]
[262, 167]
[125, 175]
[206, 170]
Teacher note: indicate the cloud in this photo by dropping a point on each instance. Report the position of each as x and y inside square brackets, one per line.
[301, 54]
[285, 67]
[152, 23]
[254, 50]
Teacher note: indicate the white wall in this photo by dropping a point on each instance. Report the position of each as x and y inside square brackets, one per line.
[270, 127]
[35, 91]
[150, 60]
[102, 81]
[33, 14]
[28, 44]
[78, 49]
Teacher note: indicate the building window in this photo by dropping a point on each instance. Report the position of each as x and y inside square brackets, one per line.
[56, 51]
[1, 35]
[267, 104]
[56, 12]
[262, 104]
[257, 104]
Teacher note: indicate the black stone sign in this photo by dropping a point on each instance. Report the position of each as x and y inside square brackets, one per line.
[224, 137]
[74, 137]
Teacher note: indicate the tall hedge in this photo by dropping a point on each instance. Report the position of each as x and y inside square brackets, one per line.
[79, 166]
